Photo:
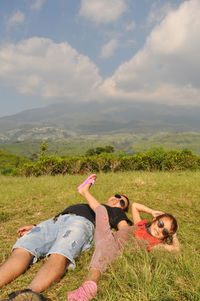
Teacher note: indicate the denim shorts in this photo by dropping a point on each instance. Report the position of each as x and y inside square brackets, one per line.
[69, 235]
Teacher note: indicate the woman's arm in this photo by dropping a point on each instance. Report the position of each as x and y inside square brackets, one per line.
[174, 247]
[84, 191]
[137, 208]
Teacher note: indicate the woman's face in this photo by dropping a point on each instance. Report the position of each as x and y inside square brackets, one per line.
[161, 228]
[114, 201]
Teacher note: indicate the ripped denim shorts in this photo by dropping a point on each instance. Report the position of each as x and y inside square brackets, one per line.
[69, 235]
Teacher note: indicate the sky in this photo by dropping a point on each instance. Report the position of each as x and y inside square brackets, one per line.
[54, 51]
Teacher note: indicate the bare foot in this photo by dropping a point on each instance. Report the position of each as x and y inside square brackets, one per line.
[85, 186]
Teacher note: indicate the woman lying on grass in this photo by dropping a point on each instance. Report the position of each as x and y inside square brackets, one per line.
[109, 244]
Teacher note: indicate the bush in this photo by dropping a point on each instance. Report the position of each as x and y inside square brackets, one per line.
[153, 159]
[99, 150]
[180, 160]
[10, 172]
[156, 158]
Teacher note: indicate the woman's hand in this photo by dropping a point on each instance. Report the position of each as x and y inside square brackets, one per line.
[137, 208]
[156, 213]
[23, 230]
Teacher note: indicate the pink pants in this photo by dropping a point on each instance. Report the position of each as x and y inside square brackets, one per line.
[107, 246]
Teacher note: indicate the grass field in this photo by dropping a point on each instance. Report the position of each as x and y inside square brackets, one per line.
[136, 276]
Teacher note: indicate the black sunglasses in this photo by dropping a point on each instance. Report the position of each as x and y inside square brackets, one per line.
[161, 225]
[122, 202]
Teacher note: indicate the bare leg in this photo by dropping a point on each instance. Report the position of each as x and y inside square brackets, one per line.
[14, 266]
[88, 290]
[50, 272]
[93, 275]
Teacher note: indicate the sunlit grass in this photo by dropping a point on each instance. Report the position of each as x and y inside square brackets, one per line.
[157, 276]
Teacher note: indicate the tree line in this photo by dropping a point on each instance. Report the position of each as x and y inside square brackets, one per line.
[103, 159]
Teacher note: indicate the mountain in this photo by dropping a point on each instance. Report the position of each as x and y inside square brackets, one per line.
[59, 121]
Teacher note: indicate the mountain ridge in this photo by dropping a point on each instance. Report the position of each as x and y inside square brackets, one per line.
[74, 119]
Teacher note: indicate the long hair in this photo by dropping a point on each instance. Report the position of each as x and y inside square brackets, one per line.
[174, 225]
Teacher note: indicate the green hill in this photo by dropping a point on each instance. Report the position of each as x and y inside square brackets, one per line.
[8, 160]
[122, 142]
[71, 120]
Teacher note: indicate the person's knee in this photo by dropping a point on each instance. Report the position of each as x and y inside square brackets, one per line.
[58, 259]
[50, 272]
[22, 253]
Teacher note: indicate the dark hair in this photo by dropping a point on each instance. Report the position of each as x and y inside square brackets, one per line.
[174, 225]
[126, 209]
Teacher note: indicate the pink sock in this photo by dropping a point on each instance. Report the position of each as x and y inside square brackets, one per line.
[85, 292]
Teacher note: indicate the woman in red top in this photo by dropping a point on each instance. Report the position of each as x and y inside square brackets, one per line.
[109, 244]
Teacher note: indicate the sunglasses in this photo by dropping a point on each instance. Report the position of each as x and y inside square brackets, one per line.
[122, 202]
[161, 225]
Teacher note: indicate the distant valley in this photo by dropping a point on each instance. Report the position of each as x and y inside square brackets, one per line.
[129, 126]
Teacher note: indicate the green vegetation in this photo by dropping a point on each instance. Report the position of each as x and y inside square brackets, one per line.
[135, 276]
[9, 162]
[122, 142]
[153, 159]
[102, 159]
[108, 149]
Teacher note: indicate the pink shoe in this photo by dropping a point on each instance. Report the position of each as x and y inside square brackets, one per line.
[88, 180]
[87, 291]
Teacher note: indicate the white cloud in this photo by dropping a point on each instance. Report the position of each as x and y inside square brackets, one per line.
[38, 66]
[108, 49]
[37, 5]
[16, 18]
[167, 69]
[130, 26]
[158, 13]
[102, 11]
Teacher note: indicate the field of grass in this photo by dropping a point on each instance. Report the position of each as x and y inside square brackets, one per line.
[136, 275]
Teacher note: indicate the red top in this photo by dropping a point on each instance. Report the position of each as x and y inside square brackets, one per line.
[141, 234]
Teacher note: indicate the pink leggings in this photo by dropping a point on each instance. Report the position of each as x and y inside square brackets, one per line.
[106, 246]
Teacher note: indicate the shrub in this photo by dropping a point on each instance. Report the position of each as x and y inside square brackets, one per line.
[154, 159]
[141, 161]
[180, 160]
[10, 172]
[99, 150]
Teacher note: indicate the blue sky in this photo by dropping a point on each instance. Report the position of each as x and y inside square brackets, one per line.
[98, 50]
